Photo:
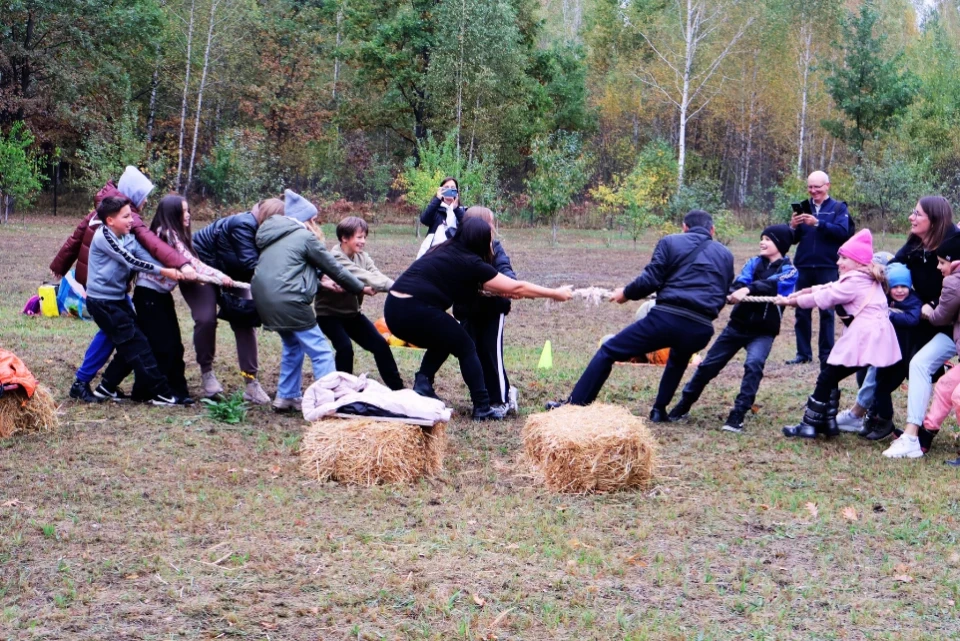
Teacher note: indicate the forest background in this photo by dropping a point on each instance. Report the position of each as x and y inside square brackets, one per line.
[617, 114]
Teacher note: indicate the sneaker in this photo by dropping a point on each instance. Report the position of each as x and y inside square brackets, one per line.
[732, 426]
[211, 386]
[287, 404]
[255, 394]
[81, 391]
[799, 360]
[105, 394]
[504, 408]
[680, 411]
[904, 447]
[847, 421]
[165, 400]
[490, 413]
[514, 407]
[552, 405]
[954, 463]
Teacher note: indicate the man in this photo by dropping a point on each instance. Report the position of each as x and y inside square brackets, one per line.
[690, 273]
[821, 226]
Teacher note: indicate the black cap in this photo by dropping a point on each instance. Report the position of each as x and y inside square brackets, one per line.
[781, 235]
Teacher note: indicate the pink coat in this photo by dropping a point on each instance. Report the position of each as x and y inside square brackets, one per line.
[870, 339]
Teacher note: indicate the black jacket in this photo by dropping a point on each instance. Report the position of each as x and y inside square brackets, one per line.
[817, 246]
[229, 244]
[927, 283]
[434, 214]
[489, 305]
[762, 278]
[697, 291]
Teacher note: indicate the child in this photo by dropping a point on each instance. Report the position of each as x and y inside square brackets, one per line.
[114, 254]
[905, 315]
[752, 327]
[869, 340]
[946, 393]
[338, 313]
[152, 298]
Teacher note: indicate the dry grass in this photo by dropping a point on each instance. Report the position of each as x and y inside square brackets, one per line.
[599, 448]
[369, 452]
[19, 414]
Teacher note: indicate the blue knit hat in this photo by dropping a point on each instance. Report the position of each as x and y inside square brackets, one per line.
[297, 207]
[899, 276]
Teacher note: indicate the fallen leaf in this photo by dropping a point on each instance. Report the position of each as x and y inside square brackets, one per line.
[268, 626]
[812, 509]
[132, 576]
[637, 561]
[275, 469]
[755, 408]
[11, 503]
[764, 506]
[850, 514]
[901, 568]
[903, 578]
[480, 602]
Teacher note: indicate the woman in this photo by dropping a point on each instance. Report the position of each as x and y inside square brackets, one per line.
[284, 286]
[454, 272]
[930, 224]
[228, 245]
[443, 214]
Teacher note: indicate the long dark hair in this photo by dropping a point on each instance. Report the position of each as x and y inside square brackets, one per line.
[475, 234]
[168, 222]
[940, 213]
[448, 179]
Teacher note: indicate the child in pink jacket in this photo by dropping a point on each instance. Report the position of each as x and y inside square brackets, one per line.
[869, 340]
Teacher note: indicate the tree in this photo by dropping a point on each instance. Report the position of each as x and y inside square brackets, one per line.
[560, 171]
[868, 87]
[20, 175]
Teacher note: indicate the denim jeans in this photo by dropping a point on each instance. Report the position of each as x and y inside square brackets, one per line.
[804, 317]
[868, 388]
[731, 341]
[314, 344]
[923, 365]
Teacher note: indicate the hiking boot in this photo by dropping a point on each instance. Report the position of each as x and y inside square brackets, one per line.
[287, 404]
[882, 428]
[681, 410]
[512, 403]
[847, 421]
[81, 391]
[489, 413]
[255, 394]
[552, 405]
[423, 386]
[106, 394]
[211, 386]
[904, 447]
[659, 415]
[814, 421]
[798, 360]
[734, 423]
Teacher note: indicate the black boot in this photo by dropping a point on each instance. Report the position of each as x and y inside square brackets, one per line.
[882, 428]
[659, 415]
[869, 424]
[423, 386]
[681, 410]
[831, 429]
[814, 421]
[926, 438]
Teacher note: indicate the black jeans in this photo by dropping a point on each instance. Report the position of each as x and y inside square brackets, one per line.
[657, 330]
[829, 380]
[157, 319]
[804, 317]
[731, 341]
[343, 331]
[119, 322]
[441, 335]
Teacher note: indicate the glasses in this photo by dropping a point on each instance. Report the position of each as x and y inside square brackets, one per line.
[817, 186]
[917, 213]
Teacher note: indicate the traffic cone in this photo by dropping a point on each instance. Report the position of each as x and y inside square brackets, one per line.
[546, 357]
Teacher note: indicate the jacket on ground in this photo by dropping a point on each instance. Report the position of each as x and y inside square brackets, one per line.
[817, 245]
[763, 278]
[229, 244]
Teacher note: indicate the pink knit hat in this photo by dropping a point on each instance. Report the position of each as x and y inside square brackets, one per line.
[859, 248]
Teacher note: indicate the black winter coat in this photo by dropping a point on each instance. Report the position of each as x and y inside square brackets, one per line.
[433, 215]
[763, 278]
[489, 305]
[697, 291]
[229, 244]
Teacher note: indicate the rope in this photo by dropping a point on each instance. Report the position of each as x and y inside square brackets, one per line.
[595, 295]
[213, 280]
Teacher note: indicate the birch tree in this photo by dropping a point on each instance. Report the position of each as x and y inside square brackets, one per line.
[690, 45]
[186, 88]
[211, 30]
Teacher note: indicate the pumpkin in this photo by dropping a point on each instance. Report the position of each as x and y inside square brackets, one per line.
[381, 325]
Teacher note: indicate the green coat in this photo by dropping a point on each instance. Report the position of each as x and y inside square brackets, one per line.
[285, 281]
[330, 303]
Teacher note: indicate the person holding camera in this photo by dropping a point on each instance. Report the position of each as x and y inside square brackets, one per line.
[820, 225]
[443, 215]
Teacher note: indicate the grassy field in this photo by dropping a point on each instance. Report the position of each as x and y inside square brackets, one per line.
[144, 523]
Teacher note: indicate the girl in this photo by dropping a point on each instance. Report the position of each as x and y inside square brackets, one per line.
[442, 215]
[284, 285]
[153, 300]
[869, 340]
[338, 313]
[454, 272]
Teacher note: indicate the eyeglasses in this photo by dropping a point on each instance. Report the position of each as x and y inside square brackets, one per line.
[817, 186]
[918, 213]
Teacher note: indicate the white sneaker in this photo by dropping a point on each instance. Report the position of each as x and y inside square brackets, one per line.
[904, 447]
[211, 386]
[512, 405]
[255, 393]
[287, 404]
[847, 421]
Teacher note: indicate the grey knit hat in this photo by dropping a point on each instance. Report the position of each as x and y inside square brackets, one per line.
[297, 207]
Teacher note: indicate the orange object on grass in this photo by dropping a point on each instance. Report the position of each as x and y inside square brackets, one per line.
[381, 325]
[14, 372]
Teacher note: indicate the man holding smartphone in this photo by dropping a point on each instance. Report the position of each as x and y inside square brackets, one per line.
[820, 225]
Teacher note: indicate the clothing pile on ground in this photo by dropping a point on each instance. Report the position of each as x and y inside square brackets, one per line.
[340, 393]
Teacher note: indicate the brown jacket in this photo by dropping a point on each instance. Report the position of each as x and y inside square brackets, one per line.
[77, 247]
[948, 309]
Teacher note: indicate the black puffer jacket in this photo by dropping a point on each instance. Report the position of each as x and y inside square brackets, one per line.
[489, 305]
[762, 278]
[697, 291]
[434, 214]
[229, 244]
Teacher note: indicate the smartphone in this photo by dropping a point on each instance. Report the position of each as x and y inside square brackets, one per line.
[449, 193]
[797, 208]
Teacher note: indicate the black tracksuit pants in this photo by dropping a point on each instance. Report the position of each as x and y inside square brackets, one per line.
[157, 319]
[343, 331]
[486, 330]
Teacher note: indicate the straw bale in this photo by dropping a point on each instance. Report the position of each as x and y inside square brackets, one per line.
[21, 414]
[598, 448]
[366, 451]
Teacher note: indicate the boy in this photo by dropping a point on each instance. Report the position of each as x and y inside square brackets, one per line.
[114, 253]
[752, 326]
[338, 312]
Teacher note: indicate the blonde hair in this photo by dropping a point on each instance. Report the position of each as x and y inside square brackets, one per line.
[313, 226]
[878, 273]
[482, 213]
[267, 208]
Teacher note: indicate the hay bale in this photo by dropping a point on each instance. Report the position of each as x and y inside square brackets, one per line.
[598, 448]
[21, 414]
[368, 452]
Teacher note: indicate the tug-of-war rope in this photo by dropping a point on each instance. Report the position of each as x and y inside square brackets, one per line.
[597, 295]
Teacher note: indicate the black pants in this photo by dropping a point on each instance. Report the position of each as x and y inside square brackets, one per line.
[731, 341]
[657, 330]
[157, 319]
[486, 330]
[829, 380]
[888, 380]
[119, 322]
[441, 335]
[343, 331]
[803, 326]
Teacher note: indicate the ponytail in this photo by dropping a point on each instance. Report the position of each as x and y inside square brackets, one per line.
[879, 274]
